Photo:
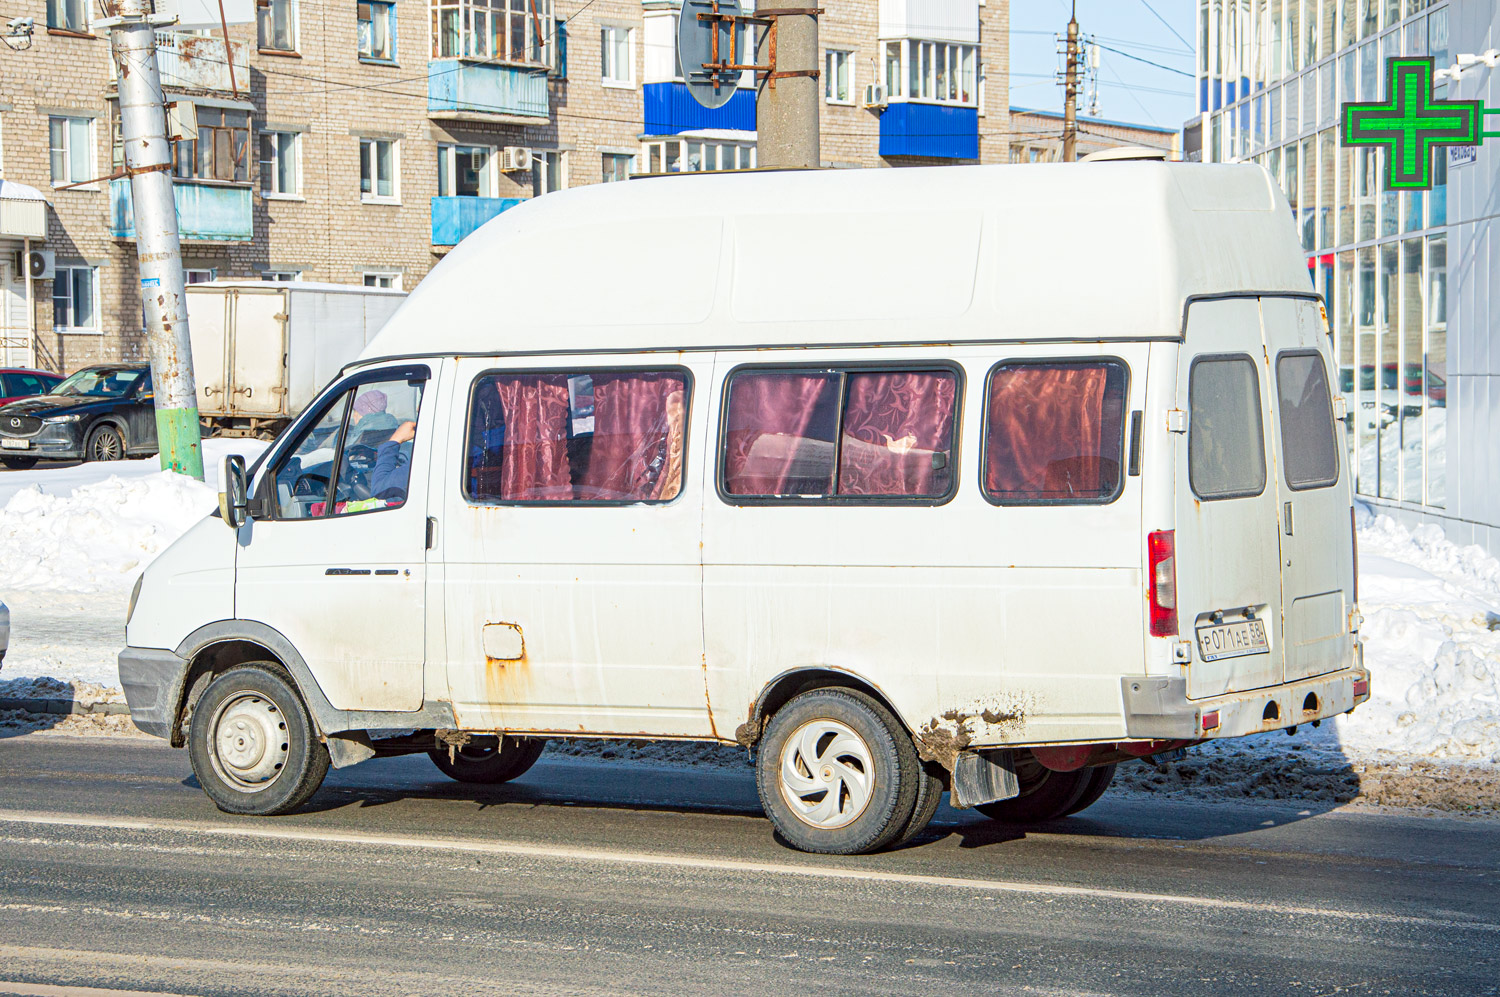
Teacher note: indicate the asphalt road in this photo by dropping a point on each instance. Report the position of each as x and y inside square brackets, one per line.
[585, 877]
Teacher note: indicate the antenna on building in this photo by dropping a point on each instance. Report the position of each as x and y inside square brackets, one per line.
[1093, 77]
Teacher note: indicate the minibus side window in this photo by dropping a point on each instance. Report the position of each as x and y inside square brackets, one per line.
[303, 477]
[608, 437]
[1226, 455]
[840, 435]
[1055, 433]
[1309, 449]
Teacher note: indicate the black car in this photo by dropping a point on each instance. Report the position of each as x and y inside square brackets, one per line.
[105, 412]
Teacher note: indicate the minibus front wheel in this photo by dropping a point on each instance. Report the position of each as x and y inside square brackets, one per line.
[252, 743]
[837, 773]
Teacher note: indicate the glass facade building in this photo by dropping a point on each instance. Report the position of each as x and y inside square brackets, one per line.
[1271, 77]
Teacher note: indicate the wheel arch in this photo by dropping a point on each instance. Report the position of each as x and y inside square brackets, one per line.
[113, 421]
[793, 682]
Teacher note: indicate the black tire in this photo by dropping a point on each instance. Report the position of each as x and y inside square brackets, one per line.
[490, 760]
[1099, 779]
[105, 443]
[929, 795]
[250, 702]
[19, 463]
[1045, 794]
[891, 781]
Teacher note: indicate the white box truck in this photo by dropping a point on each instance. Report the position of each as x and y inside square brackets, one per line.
[262, 350]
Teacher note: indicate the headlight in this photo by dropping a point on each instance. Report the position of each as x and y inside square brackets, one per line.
[135, 594]
[70, 417]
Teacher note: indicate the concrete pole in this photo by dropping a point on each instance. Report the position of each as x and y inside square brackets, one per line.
[1070, 99]
[786, 115]
[148, 160]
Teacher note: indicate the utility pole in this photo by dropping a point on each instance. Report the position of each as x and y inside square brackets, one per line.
[1070, 100]
[148, 163]
[786, 113]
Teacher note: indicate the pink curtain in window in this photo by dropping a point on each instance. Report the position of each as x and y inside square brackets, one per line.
[768, 446]
[1047, 434]
[638, 434]
[534, 466]
[893, 425]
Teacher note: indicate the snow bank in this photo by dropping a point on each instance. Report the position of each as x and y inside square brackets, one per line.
[94, 528]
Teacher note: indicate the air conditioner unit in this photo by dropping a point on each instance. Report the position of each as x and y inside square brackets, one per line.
[874, 95]
[41, 264]
[477, 159]
[517, 157]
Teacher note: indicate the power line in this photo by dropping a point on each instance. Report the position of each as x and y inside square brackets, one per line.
[1148, 62]
[1163, 20]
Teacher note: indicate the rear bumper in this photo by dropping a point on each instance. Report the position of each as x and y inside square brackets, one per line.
[1157, 707]
[152, 680]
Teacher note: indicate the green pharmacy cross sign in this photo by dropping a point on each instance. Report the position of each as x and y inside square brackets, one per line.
[1410, 124]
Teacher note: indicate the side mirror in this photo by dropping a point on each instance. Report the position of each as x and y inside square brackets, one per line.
[233, 501]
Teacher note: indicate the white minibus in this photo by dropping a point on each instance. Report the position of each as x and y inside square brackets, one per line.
[968, 479]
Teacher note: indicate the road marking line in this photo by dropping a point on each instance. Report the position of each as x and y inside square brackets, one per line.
[675, 861]
[10, 989]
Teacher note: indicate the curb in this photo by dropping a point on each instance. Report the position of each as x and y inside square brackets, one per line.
[63, 706]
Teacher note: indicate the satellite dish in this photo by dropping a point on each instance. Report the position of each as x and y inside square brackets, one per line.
[695, 43]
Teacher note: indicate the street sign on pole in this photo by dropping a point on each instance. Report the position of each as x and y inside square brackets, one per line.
[713, 42]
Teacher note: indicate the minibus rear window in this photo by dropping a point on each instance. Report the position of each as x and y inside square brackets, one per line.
[596, 437]
[1226, 453]
[1055, 433]
[840, 435]
[1309, 449]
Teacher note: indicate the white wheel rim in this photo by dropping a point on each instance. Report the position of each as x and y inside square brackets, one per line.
[827, 774]
[250, 742]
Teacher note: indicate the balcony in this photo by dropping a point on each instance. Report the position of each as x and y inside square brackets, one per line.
[205, 213]
[453, 218]
[462, 88]
[197, 62]
[935, 131]
[671, 109]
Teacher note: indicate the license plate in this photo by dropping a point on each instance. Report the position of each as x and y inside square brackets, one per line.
[8, 444]
[1231, 640]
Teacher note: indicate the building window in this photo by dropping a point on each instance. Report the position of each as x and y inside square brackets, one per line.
[68, 15]
[200, 276]
[549, 172]
[377, 30]
[826, 435]
[276, 25]
[517, 31]
[377, 170]
[218, 153]
[281, 276]
[72, 147]
[675, 155]
[932, 71]
[616, 56]
[279, 174]
[838, 76]
[388, 280]
[75, 299]
[617, 167]
[466, 171]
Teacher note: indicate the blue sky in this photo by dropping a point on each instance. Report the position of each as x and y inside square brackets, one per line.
[1129, 89]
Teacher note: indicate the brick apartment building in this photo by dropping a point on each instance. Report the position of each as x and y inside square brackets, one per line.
[357, 142]
[1036, 136]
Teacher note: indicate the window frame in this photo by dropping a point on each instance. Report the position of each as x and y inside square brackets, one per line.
[72, 329]
[272, 166]
[374, 197]
[70, 153]
[394, 276]
[191, 155]
[269, 463]
[1338, 445]
[687, 425]
[388, 14]
[628, 81]
[1265, 474]
[955, 445]
[831, 59]
[984, 429]
[293, 18]
[61, 7]
[448, 169]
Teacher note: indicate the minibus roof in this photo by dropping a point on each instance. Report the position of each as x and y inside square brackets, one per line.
[1069, 252]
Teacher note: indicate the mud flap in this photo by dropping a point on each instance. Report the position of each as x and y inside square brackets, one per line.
[983, 777]
[349, 747]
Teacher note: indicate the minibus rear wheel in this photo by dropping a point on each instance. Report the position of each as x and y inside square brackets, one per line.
[1100, 778]
[252, 744]
[837, 773]
[489, 760]
[1045, 794]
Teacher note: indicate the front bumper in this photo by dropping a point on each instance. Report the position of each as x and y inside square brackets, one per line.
[1157, 707]
[152, 680]
[54, 441]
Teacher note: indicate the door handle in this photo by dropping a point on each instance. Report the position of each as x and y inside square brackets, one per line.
[1286, 518]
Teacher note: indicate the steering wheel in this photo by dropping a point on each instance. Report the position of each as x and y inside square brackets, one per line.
[310, 486]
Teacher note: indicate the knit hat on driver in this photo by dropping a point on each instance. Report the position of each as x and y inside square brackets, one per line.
[370, 402]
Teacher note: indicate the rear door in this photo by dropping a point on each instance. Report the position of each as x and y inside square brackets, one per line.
[1227, 547]
[1312, 488]
[258, 347]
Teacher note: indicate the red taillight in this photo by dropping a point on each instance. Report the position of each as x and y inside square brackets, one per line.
[1161, 549]
[1361, 687]
[1354, 542]
[1211, 720]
